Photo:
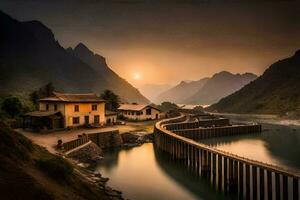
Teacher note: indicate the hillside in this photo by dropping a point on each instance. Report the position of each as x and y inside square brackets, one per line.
[219, 86]
[275, 92]
[31, 57]
[180, 92]
[28, 171]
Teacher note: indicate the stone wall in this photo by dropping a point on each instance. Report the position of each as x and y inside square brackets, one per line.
[104, 140]
[107, 139]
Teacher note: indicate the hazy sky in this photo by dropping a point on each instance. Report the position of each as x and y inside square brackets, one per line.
[169, 41]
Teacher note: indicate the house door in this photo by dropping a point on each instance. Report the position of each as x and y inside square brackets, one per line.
[86, 119]
[96, 119]
[156, 116]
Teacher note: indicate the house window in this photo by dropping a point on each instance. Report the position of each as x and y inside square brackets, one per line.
[47, 106]
[76, 108]
[76, 120]
[148, 111]
[96, 119]
[55, 106]
[94, 107]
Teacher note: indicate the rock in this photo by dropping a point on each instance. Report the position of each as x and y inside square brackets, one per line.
[136, 138]
[130, 138]
[91, 153]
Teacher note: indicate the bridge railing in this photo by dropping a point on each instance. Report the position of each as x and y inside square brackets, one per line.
[197, 124]
[249, 179]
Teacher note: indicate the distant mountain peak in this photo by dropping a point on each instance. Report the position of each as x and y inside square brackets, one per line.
[276, 91]
[297, 53]
[81, 48]
[222, 73]
[182, 83]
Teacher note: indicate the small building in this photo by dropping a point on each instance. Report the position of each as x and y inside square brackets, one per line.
[139, 112]
[110, 117]
[71, 109]
[38, 120]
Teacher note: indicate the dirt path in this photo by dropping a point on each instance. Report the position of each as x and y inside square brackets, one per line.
[49, 140]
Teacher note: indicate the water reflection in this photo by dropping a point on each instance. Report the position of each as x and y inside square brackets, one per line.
[277, 145]
[143, 173]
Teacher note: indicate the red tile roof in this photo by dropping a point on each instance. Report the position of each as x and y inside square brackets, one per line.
[78, 98]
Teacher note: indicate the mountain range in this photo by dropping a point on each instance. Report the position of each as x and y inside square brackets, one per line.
[207, 90]
[30, 57]
[218, 86]
[276, 91]
[180, 92]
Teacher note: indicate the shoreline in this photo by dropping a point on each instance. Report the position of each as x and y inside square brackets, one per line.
[263, 118]
[85, 160]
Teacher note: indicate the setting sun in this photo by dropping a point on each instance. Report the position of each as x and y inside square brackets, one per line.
[137, 76]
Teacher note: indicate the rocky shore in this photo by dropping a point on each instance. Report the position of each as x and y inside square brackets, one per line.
[91, 153]
[97, 180]
[131, 139]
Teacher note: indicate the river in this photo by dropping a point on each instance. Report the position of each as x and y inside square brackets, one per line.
[143, 173]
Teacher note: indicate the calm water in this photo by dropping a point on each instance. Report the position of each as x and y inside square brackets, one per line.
[143, 173]
[277, 144]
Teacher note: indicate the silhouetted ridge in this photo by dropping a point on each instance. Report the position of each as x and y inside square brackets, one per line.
[275, 92]
[31, 57]
[218, 86]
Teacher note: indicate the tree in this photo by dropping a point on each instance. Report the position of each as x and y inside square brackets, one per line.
[12, 106]
[43, 92]
[48, 89]
[112, 100]
[34, 97]
[168, 106]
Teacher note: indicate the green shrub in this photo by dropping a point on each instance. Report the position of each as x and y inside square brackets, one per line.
[56, 167]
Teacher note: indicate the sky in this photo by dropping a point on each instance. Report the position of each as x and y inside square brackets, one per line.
[165, 42]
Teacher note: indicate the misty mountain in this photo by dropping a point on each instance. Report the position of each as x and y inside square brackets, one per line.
[180, 92]
[30, 57]
[151, 91]
[218, 86]
[275, 92]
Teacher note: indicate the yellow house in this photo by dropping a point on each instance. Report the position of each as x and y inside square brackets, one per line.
[76, 109]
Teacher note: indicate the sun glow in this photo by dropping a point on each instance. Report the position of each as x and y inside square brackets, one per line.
[137, 76]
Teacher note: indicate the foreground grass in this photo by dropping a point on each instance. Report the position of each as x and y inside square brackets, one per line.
[29, 171]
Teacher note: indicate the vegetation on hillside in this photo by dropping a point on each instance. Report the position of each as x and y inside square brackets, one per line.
[167, 106]
[275, 92]
[28, 171]
[44, 91]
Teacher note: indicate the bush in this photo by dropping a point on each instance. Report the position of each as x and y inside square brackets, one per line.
[56, 167]
[12, 106]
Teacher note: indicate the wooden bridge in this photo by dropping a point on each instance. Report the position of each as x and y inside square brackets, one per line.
[228, 173]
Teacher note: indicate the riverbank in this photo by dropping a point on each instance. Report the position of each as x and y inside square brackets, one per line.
[84, 159]
[261, 118]
[89, 155]
[29, 171]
